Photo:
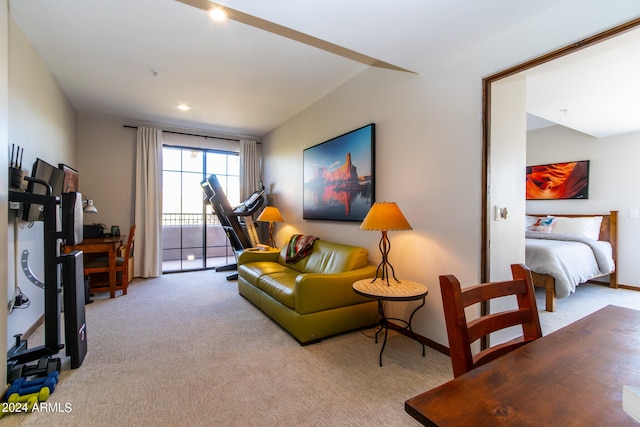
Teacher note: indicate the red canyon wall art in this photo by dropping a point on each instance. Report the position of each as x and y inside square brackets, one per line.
[339, 176]
[558, 181]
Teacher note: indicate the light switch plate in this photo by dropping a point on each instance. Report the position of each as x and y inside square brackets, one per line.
[500, 213]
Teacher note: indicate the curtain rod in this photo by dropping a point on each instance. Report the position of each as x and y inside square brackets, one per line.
[191, 134]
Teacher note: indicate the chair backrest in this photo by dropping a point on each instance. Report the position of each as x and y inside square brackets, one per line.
[462, 333]
[128, 251]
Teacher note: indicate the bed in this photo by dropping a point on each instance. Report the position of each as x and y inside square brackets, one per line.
[569, 250]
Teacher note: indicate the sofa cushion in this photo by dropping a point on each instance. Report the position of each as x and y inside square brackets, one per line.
[299, 265]
[335, 258]
[280, 286]
[254, 270]
[312, 298]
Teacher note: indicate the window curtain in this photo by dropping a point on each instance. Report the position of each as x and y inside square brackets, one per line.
[148, 203]
[250, 167]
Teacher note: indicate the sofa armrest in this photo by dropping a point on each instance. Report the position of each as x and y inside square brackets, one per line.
[248, 256]
[317, 292]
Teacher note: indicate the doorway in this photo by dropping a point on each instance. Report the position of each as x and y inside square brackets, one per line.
[192, 236]
[492, 244]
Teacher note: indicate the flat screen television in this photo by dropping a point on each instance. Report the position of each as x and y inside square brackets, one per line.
[44, 173]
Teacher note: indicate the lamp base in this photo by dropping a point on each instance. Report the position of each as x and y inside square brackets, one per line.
[385, 265]
[271, 242]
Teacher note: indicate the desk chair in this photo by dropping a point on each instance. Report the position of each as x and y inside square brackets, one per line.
[463, 333]
[96, 268]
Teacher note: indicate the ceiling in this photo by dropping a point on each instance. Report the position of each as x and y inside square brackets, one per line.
[595, 91]
[140, 59]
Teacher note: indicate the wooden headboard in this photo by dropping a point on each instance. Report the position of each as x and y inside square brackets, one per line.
[608, 233]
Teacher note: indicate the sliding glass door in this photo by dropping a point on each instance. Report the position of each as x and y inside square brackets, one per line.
[192, 236]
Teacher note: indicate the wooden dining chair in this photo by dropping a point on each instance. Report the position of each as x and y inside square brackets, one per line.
[96, 269]
[462, 333]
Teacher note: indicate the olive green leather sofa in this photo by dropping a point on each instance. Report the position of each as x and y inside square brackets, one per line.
[312, 298]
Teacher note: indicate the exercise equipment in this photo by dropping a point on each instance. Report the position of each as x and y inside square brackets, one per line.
[73, 285]
[24, 386]
[42, 368]
[31, 399]
[23, 394]
[230, 217]
[41, 395]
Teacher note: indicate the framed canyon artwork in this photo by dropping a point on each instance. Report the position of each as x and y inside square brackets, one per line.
[339, 179]
[70, 178]
[569, 180]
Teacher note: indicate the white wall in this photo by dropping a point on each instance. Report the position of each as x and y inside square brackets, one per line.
[507, 160]
[43, 122]
[4, 118]
[428, 155]
[428, 158]
[425, 161]
[107, 160]
[614, 184]
[106, 166]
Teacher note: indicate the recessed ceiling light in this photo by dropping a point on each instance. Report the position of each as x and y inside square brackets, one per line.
[218, 14]
[183, 107]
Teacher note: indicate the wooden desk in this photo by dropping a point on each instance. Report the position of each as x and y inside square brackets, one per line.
[107, 245]
[572, 377]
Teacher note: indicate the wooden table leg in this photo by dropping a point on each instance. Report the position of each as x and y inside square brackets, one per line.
[112, 272]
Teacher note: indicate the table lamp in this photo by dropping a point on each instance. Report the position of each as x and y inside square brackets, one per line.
[88, 206]
[270, 214]
[385, 216]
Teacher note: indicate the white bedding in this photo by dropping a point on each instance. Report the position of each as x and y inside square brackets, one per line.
[570, 260]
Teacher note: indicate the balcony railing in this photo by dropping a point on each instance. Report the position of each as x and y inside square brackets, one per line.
[182, 241]
[189, 219]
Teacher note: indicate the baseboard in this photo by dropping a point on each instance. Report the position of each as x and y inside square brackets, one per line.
[620, 286]
[33, 328]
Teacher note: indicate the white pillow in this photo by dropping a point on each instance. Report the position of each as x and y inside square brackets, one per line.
[587, 227]
[529, 221]
[543, 225]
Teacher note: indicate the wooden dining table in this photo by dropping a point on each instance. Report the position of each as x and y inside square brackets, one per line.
[571, 377]
[107, 245]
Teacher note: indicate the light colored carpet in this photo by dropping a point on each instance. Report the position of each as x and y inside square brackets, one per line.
[186, 349]
[588, 298]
